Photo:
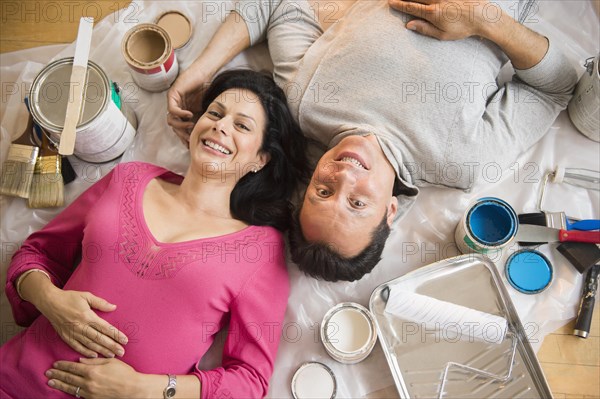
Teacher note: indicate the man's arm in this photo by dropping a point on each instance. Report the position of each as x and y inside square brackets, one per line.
[183, 98]
[456, 20]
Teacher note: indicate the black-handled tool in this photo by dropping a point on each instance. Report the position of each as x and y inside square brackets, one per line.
[586, 308]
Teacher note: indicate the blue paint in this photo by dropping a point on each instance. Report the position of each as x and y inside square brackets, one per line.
[528, 271]
[492, 222]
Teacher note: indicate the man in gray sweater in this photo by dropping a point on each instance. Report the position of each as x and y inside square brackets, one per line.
[403, 94]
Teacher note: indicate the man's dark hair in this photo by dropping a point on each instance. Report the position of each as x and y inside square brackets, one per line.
[320, 260]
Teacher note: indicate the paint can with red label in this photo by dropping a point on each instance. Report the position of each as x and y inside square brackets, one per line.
[149, 52]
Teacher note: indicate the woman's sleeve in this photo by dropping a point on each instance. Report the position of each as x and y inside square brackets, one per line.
[254, 332]
[55, 249]
[289, 26]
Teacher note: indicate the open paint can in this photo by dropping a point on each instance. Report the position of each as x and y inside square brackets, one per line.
[529, 271]
[106, 126]
[178, 27]
[584, 107]
[348, 332]
[488, 225]
[148, 51]
[314, 380]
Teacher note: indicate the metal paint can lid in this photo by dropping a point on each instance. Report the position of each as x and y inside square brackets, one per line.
[529, 271]
[314, 380]
[177, 25]
[348, 332]
[49, 94]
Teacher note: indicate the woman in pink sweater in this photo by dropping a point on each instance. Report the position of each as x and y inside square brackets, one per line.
[124, 291]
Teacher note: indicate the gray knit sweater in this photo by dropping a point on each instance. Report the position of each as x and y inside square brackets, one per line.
[436, 106]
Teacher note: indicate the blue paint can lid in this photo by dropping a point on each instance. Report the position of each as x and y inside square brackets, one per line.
[529, 271]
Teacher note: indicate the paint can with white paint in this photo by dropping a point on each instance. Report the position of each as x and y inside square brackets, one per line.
[348, 332]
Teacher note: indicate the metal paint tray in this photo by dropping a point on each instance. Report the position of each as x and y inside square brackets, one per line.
[430, 364]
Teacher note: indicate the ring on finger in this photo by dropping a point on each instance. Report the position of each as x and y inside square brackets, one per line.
[77, 392]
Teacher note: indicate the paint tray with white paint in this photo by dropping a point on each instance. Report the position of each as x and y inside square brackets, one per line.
[450, 330]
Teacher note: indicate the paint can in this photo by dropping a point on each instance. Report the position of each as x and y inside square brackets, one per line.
[348, 332]
[487, 226]
[106, 127]
[584, 107]
[529, 271]
[178, 26]
[314, 380]
[148, 51]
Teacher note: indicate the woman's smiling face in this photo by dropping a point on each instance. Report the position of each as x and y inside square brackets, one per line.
[227, 139]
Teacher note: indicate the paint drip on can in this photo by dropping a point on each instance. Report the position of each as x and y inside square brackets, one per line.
[106, 126]
[584, 107]
[487, 226]
[149, 52]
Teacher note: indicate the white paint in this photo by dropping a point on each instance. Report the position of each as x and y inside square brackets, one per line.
[349, 330]
[313, 381]
[459, 321]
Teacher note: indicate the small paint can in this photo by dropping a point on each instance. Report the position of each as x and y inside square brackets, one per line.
[148, 51]
[584, 107]
[178, 26]
[314, 380]
[487, 226]
[348, 332]
[529, 271]
[106, 127]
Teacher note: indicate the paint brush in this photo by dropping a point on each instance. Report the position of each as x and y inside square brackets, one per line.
[558, 220]
[17, 169]
[47, 187]
[586, 307]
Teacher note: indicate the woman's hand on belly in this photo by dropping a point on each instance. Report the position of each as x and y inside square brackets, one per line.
[72, 315]
[95, 378]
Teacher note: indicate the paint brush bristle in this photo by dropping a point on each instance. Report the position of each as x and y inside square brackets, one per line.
[47, 186]
[17, 169]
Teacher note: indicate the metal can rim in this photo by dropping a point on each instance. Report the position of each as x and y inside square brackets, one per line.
[543, 257]
[500, 243]
[146, 65]
[39, 80]
[348, 357]
[304, 366]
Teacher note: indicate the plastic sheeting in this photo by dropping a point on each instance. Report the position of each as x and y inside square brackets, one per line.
[423, 236]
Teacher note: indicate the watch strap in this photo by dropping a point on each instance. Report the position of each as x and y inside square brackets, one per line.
[171, 388]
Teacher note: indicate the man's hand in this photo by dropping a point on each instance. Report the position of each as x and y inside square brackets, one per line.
[183, 104]
[448, 19]
[459, 19]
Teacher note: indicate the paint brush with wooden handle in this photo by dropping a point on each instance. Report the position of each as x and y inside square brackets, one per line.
[76, 89]
[17, 169]
[47, 187]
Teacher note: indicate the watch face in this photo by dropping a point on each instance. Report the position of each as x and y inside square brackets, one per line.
[170, 392]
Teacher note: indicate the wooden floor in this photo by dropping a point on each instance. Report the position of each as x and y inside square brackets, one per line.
[571, 364]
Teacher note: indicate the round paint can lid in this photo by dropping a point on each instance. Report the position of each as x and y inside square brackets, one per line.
[529, 271]
[314, 380]
[177, 25]
[49, 94]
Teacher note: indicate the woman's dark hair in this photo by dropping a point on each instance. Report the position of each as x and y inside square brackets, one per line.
[262, 198]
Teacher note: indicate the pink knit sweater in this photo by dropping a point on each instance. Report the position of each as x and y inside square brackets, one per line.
[172, 298]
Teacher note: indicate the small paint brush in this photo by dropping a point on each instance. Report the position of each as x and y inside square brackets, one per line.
[47, 187]
[17, 169]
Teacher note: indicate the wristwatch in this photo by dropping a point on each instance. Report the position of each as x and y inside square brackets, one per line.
[171, 388]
